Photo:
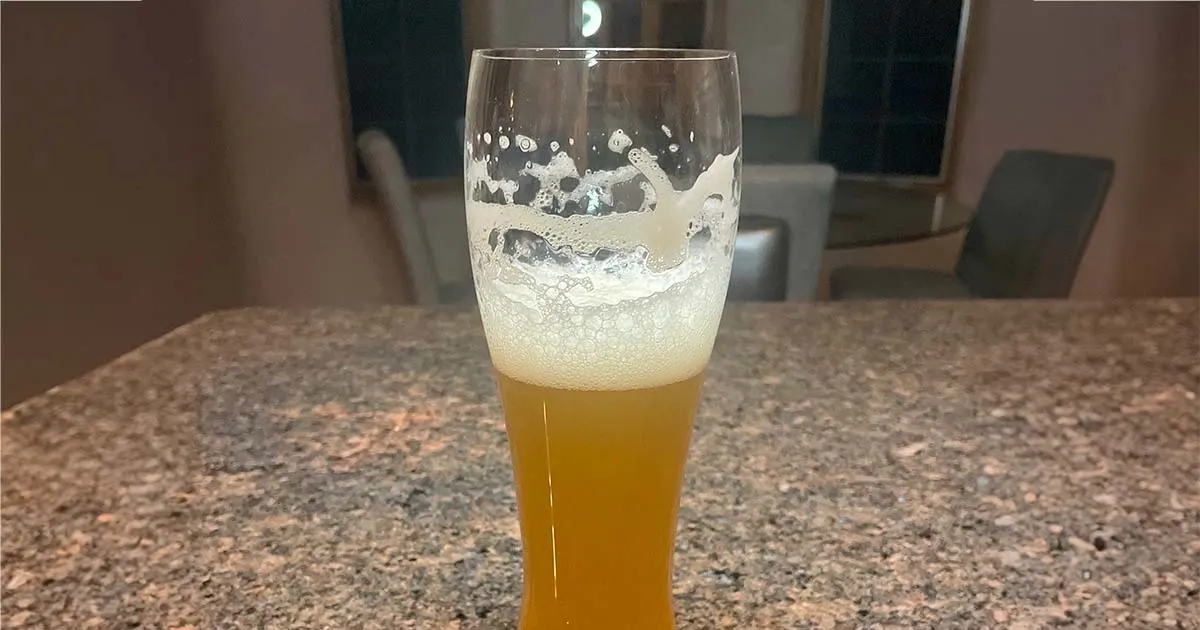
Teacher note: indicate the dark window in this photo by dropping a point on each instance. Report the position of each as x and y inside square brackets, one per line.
[406, 75]
[889, 74]
[681, 25]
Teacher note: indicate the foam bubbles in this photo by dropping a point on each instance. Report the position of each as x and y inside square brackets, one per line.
[504, 142]
[644, 315]
[526, 144]
[618, 141]
[627, 330]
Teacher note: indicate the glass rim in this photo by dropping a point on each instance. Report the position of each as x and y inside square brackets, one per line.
[603, 54]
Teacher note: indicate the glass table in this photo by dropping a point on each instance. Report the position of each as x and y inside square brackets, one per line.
[876, 213]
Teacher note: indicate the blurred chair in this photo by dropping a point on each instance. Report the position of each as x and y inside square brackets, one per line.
[760, 260]
[801, 196]
[778, 140]
[1031, 228]
[387, 171]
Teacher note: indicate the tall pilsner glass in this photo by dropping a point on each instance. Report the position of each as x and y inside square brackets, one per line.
[602, 198]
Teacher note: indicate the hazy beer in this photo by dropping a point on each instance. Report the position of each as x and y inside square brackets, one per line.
[598, 476]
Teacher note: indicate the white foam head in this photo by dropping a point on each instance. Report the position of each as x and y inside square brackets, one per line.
[643, 316]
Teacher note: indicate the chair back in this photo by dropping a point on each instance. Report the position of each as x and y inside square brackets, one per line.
[387, 172]
[801, 195]
[760, 260]
[1032, 225]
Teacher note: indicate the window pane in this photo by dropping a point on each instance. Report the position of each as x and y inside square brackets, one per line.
[854, 90]
[852, 147]
[860, 28]
[920, 89]
[912, 148]
[928, 28]
[682, 25]
[406, 75]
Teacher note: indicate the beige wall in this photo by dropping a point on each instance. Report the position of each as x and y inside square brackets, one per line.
[164, 159]
[282, 131]
[1118, 79]
[525, 23]
[114, 226]
[769, 44]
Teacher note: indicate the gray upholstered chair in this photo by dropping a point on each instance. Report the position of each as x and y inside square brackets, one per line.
[387, 171]
[1033, 223]
[778, 140]
[800, 195]
[760, 260]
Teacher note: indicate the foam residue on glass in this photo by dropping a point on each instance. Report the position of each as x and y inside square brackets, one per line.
[602, 297]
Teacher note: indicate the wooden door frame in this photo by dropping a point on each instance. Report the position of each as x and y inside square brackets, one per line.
[357, 187]
[812, 61]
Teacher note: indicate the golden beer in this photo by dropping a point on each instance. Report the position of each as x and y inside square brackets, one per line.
[598, 477]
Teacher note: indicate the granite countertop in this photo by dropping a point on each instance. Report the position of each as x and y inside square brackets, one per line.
[890, 465]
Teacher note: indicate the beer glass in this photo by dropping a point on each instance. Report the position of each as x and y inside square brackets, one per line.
[602, 195]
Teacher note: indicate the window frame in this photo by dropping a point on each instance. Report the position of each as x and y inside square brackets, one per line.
[951, 136]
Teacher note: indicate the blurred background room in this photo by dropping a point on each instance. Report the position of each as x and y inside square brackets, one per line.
[165, 159]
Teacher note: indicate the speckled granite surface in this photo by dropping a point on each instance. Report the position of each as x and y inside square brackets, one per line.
[966, 465]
